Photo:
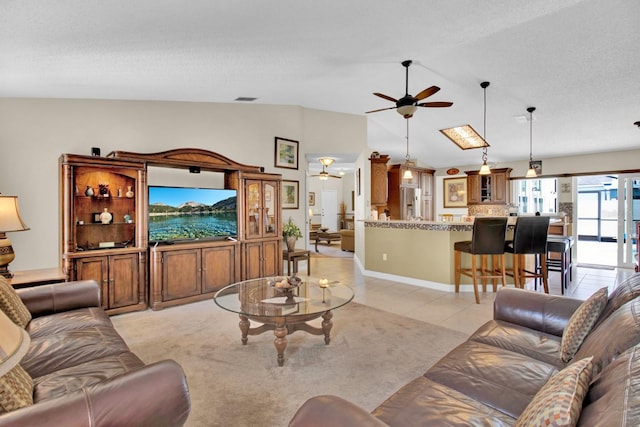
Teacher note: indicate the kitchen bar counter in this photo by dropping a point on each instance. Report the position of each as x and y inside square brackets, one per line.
[419, 252]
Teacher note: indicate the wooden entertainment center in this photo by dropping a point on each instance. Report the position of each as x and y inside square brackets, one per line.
[114, 250]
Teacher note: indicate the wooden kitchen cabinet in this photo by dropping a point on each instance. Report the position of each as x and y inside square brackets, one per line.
[379, 184]
[404, 201]
[488, 189]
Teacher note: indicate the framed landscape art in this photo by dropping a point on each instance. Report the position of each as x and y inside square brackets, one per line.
[286, 153]
[290, 193]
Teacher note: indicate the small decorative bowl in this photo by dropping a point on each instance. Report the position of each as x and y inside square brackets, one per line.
[285, 283]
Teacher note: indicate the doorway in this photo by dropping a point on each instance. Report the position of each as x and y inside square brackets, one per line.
[598, 228]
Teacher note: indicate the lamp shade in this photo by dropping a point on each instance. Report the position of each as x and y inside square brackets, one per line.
[10, 219]
[14, 343]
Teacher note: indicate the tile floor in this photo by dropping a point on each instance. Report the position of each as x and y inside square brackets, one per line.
[448, 309]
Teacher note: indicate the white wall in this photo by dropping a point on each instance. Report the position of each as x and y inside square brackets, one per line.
[34, 132]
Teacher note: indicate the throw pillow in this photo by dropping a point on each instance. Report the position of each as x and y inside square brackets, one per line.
[559, 401]
[12, 305]
[16, 390]
[581, 323]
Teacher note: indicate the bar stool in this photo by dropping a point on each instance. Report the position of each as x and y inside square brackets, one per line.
[487, 239]
[529, 237]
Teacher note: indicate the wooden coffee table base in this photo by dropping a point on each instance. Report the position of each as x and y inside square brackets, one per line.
[283, 326]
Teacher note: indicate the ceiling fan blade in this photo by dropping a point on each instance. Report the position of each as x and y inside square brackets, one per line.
[435, 104]
[381, 109]
[387, 97]
[427, 92]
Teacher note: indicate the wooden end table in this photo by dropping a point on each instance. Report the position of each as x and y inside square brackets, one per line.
[293, 257]
[44, 276]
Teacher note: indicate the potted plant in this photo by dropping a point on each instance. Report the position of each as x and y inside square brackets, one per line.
[291, 232]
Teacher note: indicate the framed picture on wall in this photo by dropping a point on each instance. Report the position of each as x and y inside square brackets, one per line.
[455, 192]
[286, 153]
[312, 198]
[290, 192]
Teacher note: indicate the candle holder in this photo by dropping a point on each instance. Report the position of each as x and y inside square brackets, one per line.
[324, 284]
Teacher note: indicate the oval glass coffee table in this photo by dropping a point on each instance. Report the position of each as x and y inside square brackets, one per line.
[283, 311]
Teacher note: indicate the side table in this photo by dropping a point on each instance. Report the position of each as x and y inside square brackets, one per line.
[45, 276]
[294, 257]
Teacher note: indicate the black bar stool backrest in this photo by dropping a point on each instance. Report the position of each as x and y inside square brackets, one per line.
[530, 235]
[488, 235]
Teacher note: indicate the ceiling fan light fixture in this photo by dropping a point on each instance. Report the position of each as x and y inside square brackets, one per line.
[326, 161]
[324, 176]
[407, 110]
[465, 137]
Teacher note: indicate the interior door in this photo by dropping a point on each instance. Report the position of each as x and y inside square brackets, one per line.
[329, 209]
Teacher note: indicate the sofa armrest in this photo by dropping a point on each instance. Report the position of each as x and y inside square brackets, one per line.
[59, 297]
[332, 411]
[542, 312]
[155, 395]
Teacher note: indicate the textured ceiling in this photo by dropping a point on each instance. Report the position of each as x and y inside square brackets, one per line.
[576, 61]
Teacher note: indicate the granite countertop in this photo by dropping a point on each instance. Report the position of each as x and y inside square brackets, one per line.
[421, 225]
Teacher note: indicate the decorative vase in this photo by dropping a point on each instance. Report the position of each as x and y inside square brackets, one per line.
[89, 191]
[106, 217]
[291, 243]
[129, 192]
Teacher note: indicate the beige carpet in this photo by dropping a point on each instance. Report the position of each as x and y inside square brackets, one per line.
[372, 353]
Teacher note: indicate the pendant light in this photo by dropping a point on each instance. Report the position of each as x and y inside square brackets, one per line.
[484, 169]
[531, 173]
[408, 175]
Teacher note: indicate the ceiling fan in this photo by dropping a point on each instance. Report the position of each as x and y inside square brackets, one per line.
[326, 162]
[408, 104]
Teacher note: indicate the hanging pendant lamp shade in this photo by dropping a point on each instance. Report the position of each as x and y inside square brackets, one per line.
[485, 169]
[408, 175]
[531, 173]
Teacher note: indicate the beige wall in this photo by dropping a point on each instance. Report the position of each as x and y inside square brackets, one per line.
[34, 132]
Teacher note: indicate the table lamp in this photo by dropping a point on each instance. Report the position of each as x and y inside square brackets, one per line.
[10, 220]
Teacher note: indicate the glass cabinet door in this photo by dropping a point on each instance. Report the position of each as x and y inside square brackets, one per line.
[270, 214]
[254, 207]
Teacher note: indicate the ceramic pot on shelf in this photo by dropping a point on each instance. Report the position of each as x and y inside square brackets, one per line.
[89, 191]
[129, 192]
[106, 217]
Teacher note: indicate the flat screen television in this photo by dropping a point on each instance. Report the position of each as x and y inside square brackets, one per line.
[186, 213]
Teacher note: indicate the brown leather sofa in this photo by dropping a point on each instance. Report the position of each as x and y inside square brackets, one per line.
[83, 372]
[489, 379]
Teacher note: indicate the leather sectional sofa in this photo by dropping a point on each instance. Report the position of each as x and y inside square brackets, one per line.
[491, 378]
[83, 372]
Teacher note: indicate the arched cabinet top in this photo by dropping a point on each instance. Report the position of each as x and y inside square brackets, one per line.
[185, 158]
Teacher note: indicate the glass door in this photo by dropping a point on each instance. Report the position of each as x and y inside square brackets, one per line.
[629, 208]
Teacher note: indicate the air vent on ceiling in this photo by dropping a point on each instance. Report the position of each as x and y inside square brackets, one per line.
[245, 99]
